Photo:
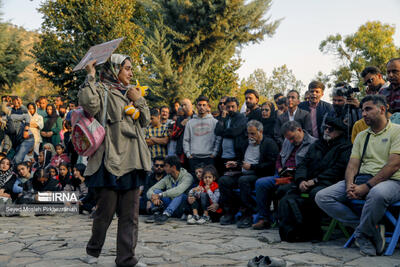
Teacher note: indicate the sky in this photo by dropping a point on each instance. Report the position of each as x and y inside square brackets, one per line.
[305, 24]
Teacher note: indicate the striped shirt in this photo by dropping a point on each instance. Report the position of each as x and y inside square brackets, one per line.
[157, 149]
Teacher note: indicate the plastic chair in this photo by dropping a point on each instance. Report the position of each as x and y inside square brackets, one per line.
[391, 238]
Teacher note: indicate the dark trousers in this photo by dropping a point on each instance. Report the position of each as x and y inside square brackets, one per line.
[126, 204]
[245, 183]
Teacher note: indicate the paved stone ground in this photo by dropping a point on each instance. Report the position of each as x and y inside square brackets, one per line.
[60, 241]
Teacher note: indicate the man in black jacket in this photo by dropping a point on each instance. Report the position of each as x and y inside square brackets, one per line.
[292, 114]
[253, 110]
[257, 159]
[316, 107]
[323, 165]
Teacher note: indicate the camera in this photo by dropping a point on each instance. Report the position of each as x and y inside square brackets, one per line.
[346, 90]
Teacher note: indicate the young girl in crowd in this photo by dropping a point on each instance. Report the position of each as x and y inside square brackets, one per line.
[53, 172]
[44, 159]
[42, 182]
[87, 201]
[7, 180]
[205, 198]
[64, 175]
[60, 156]
[24, 174]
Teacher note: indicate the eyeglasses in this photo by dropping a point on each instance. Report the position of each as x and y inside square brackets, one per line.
[329, 129]
[221, 103]
[370, 80]
[265, 109]
[158, 165]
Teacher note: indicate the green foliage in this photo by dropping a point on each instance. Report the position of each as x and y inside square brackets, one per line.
[11, 58]
[282, 80]
[371, 45]
[189, 45]
[71, 27]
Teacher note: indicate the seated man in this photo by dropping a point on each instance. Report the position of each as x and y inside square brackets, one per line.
[169, 192]
[258, 160]
[294, 148]
[323, 165]
[151, 179]
[375, 157]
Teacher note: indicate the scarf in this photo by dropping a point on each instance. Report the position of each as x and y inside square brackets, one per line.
[51, 119]
[109, 72]
[5, 176]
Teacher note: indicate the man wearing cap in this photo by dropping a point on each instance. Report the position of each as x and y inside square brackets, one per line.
[323, 165]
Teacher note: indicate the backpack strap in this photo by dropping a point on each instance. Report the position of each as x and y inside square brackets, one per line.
[103, 122]
[363, 152]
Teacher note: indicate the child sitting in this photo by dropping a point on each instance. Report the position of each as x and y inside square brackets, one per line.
[87, 201]
[64, 176]
[60, 156]
[205, 197]
[7, 180]
[24, 174]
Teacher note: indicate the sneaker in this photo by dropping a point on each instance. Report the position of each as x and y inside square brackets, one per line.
[184, 217]
[271, 262]
[163, 218]
[152, 218]
[366, 246]
[245, 222]
[204, 220]
[254, 262]
[379, 239]
[261, 224]
[192, 219]
[89, 259]
[226, 219]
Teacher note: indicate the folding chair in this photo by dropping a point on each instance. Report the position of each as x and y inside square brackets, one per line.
[391, 238]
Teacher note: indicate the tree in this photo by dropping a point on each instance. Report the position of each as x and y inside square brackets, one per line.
[371, 45]
[11, 62]
[185, 41]
[282, 80]
[71, 27]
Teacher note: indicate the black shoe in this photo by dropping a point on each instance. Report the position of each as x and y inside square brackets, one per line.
[245, 222]
[152, 218]
[163, 218]
[226, 219]
[271, 262]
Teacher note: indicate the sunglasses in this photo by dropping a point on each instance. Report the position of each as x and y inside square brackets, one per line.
[370, 80]
[158, 165]
[221, 103]
[329, 129]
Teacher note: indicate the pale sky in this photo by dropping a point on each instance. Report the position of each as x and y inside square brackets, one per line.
[306, 23]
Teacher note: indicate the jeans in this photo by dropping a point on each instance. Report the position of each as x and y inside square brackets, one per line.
[170, 204]
[264, 189]
[333, 201]
[23, 149]
[201, 203]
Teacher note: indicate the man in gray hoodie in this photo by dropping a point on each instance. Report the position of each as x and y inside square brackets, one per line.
[200, 143]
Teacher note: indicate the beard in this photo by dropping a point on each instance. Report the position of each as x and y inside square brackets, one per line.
[338, 109]
[327, 137]
[250, 105]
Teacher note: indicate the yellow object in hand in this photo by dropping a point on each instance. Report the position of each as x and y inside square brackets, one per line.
[130, 110]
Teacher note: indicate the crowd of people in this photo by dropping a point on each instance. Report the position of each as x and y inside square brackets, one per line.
[285, 162]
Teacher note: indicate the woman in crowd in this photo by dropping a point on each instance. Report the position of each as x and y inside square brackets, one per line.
[64, 176]
[121, 161]
[44, 159]
[7, 180]
[268, 115]
[52, 126]
[59, 157]
[36, 124]
[42, 182]
[24, 174]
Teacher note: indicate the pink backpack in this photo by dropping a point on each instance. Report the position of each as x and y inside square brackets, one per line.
[87, 133]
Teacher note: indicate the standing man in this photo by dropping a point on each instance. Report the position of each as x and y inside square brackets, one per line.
[156, 135]
[200, 143]
[253, 110]
[316, 107]
[371, 174]
[292, 114]
[164, 110]
[392, 92]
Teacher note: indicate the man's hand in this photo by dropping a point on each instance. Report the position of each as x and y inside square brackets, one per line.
[150, 142]
[224, 113]
[25, 134]
[231, 164]
[350, 191]
[213, 207]
[360, 190]
[184, 121]
[191, 199]
[90, 68]
[246, 165]
[353, 102]
[134, 93]
[303, 186]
